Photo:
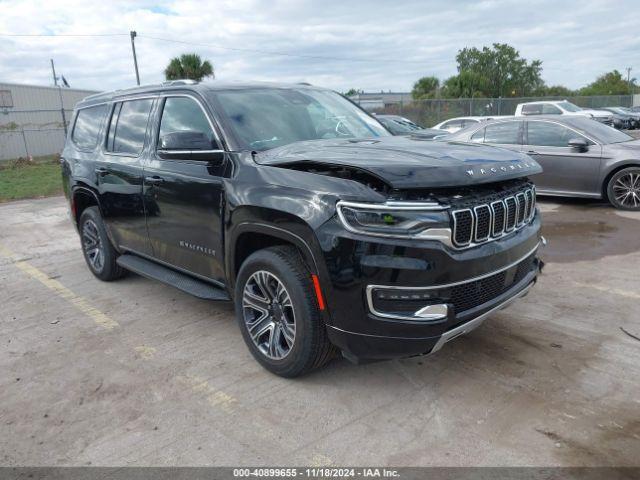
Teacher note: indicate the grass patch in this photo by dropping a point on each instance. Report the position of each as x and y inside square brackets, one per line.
[30, 179]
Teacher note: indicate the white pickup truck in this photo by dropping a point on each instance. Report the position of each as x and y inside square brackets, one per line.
[562, 107]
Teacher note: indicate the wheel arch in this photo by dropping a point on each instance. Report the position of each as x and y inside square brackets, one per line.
[612, 172]
[251, 236]
[83, 197]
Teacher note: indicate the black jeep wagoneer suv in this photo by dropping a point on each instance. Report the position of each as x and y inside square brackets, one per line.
[327, 232]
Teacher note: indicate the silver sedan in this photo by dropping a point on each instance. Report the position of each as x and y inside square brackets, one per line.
[580, 157]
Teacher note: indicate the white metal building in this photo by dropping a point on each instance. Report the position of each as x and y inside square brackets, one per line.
[31, 118]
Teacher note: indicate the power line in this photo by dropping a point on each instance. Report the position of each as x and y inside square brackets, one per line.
[281, 54]
[63, 34]
[221, 47]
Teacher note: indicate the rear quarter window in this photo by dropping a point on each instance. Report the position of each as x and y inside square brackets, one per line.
[87, 126]
[535, 109]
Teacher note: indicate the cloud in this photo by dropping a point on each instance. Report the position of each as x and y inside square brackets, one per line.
[402, 41]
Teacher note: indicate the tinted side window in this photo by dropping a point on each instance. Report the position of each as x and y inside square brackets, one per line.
[127, 131]
[453, 124]
[549, 134]
[504, 133]
[548, 109]
[182, 113]
[87, 126]
[532, 109]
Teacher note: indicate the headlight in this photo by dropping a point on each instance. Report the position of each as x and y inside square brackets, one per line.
[395, 219]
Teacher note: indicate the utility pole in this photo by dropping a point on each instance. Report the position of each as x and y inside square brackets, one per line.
[629, 80]
[53, 69]
[135, 59]
[55, 81]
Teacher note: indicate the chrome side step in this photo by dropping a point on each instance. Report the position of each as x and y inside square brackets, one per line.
[181, 281]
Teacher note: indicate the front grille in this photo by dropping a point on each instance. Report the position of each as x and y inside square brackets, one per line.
[493, 219]
[473, 294]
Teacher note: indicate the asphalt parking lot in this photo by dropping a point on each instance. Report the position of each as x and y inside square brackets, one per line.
[137, 373]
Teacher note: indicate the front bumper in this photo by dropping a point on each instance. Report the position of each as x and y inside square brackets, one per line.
[364, 333]
[361, 347]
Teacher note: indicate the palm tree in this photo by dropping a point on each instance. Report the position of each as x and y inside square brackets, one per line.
[188, 65]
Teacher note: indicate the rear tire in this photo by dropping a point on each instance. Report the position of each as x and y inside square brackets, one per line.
[278, 314]
[623, 189]
[96, 246]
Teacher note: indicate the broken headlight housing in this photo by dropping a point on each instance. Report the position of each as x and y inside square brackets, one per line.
[394, 219]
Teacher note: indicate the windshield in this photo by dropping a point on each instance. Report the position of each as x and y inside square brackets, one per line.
[569, 107]
[264, 118]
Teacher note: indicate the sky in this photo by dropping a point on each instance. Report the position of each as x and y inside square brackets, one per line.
[370, 45]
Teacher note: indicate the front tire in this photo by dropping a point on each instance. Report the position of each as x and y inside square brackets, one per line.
[96, 246]
[278, 314]
[623, 189]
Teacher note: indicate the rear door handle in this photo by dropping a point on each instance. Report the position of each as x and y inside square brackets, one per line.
[101, 171]
[155, 180]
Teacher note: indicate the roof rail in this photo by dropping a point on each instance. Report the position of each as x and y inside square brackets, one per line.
[181, 81]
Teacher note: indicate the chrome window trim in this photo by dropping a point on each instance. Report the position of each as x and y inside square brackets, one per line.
[543, 120]
[475, 233]
[455, 225]
[504, 218]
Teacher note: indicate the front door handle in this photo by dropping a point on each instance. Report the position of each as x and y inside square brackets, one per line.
[532, 152]
[155, 180]
[101, 171]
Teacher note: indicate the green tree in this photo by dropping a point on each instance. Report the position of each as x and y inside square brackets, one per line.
[496, 71]
[466, 84]
[611, 83]
[553, 91]
[351, 92]
[188, 65]
[426, 87]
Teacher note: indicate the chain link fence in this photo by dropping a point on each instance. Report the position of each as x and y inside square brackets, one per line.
[25, 133]
[433, 111]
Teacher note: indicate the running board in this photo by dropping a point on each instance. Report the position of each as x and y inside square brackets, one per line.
[181, 281]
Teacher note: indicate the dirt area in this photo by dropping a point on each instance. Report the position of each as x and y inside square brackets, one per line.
[137, 373]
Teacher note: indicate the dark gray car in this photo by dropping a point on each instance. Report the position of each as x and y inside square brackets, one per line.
[580, 157]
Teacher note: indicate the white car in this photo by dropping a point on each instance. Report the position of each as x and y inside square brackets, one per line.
[562, 107]
[454, 124]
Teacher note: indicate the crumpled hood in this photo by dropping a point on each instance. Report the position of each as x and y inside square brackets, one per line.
[406, 162]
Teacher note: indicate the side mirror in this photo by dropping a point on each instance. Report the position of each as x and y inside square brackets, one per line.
[189, 145]
[579, 144]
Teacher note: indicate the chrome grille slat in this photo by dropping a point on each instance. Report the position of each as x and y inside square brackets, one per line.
[491, 221]
[522, 206]
[499, 218]
[512, 212]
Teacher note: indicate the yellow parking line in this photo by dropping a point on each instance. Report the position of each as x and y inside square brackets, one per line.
[615, 291]
[77, 301]
[216, 398]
